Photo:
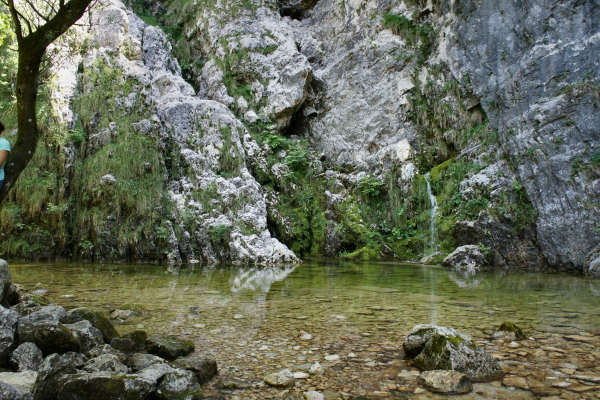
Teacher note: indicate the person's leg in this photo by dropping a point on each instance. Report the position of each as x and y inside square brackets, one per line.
[1, 182]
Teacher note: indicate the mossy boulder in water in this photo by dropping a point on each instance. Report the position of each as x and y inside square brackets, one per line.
[439, 348]
[169, 347]
[509, 330]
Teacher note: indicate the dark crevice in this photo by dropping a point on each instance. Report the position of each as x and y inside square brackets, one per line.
[292, 12]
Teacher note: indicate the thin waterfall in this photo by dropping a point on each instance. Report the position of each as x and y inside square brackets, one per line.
[431, 247]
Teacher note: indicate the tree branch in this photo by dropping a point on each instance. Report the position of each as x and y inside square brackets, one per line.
[15, 17]
[36, 11]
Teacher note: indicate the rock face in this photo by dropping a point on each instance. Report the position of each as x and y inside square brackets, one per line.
[439, 348]
[542, 96]
[307, 127]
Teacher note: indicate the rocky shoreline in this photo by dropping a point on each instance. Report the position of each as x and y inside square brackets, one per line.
[55, 354]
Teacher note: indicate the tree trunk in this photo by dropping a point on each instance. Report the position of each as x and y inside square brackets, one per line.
[27, 87]
[31, 50]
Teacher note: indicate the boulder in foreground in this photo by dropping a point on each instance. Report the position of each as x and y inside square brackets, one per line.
[439, 348]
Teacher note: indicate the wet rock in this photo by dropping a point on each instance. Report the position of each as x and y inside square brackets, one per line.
[139, 361]
[467, 258]
[44, 329]
[316, 369]
[9, 392]
[445, 382]
[515, 381]
[177, 385]
[87, 335]
[510, 331]
[105, 363]
[203, 368]
[169, 347]
[313, 395]
[98, 319]
[8, 329]
[281, 379]
[435, 347]
[27, 356]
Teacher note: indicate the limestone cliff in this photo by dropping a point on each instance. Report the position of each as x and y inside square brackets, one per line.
[308, 128]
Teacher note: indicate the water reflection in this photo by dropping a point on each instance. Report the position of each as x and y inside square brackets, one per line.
[465, 280]
[240, 301]
[261, 279]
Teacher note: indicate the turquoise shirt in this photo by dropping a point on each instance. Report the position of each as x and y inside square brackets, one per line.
[4, 145]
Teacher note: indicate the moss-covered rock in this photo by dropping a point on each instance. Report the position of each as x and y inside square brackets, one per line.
[169, 347]
[439, 348]
[98, 319]
[510, 329]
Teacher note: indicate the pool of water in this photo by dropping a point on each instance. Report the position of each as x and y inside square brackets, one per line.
[253, 319]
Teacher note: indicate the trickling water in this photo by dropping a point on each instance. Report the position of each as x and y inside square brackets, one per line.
[431, 247]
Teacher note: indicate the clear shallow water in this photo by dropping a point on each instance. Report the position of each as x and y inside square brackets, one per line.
[258, 320]
[360, 294]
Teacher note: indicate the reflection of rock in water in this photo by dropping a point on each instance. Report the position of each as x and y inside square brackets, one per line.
[465, 280]
[256, 279]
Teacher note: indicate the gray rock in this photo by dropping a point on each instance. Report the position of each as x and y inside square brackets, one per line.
[8, 392]
[433, 347]
[107, 349]
[53, 368]
[468, 258]
[98, 319]
[23, 380]
[139, 361]
[509, 64]
[445, 382]
[203, 368]
[49, 335]
[105, 363]
[86, 334]
[27, 356]
[281, 379]
[169, 347]
[95, 386]
[8, 329]
[179, 384]
[313, 395]
[108, 179]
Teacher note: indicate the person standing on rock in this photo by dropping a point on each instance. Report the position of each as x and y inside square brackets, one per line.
[4, 150]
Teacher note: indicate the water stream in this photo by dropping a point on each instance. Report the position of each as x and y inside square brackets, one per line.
[431, 247]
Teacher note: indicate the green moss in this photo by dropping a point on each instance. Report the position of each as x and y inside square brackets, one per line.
[508, 326]
[369, 252]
